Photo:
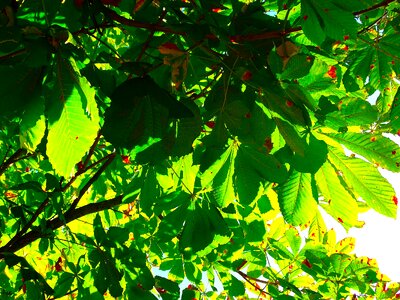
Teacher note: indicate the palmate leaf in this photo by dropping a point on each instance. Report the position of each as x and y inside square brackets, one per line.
[352, 112]
[373, 63]
[250, 168]
[139, 112]
[73, 120]
[204, 229]
[296, 199]
[378, 149]
[341, 204]
[323, 19]
[366, 181]
[265, 165]
[314, 156]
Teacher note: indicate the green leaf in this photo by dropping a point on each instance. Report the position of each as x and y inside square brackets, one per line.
[106, 276]
[265, 165]
[33, 125]
[98, 230]
[395, 114]
[366, 181]
[276, 100]
[292, 137]
[237, 287]
[340, 203]
[296, 199]
[73, 120]
[317, 228]
[63, 284]
[314, 156]
[171, 224]
[297, 66]
[379, 150]
[204, 229]
[19, 87]
[221, 176]
[139, 111]
[168, 289]
[323, 19]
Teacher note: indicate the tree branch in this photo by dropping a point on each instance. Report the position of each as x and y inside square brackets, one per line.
[68, 217]
[376, 6]
[30, 222]
[12, 159]
[82, 192]
[132, 23]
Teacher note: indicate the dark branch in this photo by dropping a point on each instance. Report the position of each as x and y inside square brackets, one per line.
[68, 217]
[30, 222]
[376, 6]
[12, 159]
[82, 192]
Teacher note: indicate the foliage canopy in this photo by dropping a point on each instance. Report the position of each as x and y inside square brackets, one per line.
[148, 145]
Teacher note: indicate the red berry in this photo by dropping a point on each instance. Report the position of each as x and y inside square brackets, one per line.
[210, 124]
[126, 159]
[216, 10]
[394, 152]
[332, 72]
[27, 169]
[346, 48]
[248, 115]
[79, 3]
[58, 266]
[285, 6]
[111, 2]
[305, 18]
[80, 165]
[169, 45]
[247, 75]
[346, 37]
[289, 103]
[161, 290]
[307, 263]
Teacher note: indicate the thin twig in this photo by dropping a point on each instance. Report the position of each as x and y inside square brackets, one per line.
[91, 150]
[11, 160]
[150, 37]
[133, 23]
[13, 54]
[29, 224]
[106, 45]
[82, 192]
